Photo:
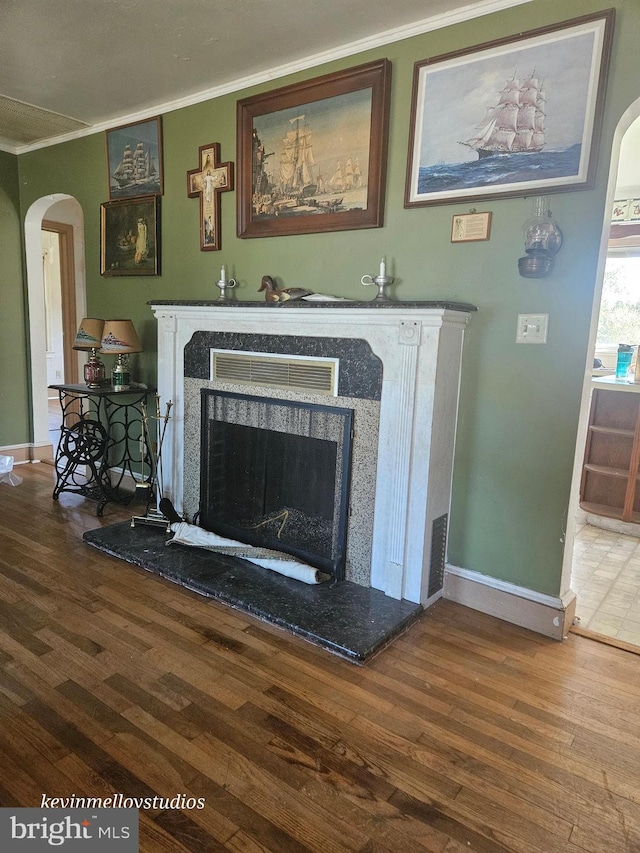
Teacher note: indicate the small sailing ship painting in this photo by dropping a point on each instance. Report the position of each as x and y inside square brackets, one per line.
[508, 120]
[134, 157]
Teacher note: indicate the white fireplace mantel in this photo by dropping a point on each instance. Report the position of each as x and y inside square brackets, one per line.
[420, 346]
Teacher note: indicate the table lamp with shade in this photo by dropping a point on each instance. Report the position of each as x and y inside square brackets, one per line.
[119, 338]
[89, 338]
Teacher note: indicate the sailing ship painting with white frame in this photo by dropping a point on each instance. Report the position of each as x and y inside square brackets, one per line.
[511, 119]
[314, 159]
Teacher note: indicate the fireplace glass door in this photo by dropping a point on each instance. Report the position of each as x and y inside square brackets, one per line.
[275, 473]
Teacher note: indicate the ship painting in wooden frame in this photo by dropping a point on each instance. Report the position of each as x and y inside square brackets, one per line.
[134, 159]
[312, 156]
[512, 117]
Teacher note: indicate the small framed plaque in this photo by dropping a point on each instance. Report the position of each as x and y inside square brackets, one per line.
[469, 227]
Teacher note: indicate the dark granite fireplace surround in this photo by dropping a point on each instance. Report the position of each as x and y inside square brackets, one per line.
[360, 369]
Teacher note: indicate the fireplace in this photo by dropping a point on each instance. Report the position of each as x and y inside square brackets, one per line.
[274, 473]
[397, 372]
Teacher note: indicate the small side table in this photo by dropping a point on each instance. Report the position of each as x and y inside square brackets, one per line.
[99, 441]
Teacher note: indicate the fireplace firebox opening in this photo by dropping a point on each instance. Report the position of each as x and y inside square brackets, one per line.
[275, 473]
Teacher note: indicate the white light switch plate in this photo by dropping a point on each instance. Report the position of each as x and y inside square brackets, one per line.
[532, 328]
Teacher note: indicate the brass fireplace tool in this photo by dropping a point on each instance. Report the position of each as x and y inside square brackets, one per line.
[154, 486]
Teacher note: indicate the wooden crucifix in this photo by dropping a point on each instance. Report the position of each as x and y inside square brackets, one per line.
[208, 181]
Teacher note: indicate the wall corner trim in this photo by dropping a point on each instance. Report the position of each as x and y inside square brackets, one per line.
[549, 615]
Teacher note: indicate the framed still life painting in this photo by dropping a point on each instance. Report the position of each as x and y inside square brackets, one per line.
[130, 237]
[512, 117]
[312, 156]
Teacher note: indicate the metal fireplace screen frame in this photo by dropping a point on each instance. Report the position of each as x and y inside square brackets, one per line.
[275, 473]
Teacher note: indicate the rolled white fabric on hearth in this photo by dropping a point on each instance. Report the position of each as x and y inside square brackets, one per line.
[191, 534]
[290, 568]
[196, 537]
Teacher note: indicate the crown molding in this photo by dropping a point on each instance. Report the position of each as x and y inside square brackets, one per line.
[435, 22]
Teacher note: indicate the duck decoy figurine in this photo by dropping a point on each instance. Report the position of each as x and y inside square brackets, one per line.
[273, 294]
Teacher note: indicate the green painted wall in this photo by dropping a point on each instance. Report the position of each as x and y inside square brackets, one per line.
[14, 377]
[519, 405]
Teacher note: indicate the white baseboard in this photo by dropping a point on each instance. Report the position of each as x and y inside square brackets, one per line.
[29, 452]
[544, 614]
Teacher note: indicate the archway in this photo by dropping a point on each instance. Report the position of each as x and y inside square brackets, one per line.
[65, 209]
[628, 118]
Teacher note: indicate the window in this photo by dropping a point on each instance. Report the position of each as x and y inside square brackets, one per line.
[619, 320]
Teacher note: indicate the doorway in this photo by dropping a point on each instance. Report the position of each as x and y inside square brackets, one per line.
[56, 301]
[60, 301]
[58, 275]
[605, 563]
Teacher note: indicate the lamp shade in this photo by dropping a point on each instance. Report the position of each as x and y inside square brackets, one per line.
[89, 335]
[119, 336]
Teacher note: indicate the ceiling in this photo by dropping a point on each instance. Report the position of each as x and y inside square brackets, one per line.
[69, 67]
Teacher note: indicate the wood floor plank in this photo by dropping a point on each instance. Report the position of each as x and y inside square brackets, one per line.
[472, 777]
[25, 763]
[99, 630]
[286, 752]
[257, 787]
[465, 734]
[544, 696]
[21, 778]
[135, 694]
[85, 780]
[183, 829]
[154, 837]
[262, 832]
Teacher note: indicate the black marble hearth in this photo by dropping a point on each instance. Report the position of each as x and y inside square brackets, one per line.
[350, 620]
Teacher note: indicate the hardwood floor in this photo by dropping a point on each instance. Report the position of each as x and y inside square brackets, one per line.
[467, 734]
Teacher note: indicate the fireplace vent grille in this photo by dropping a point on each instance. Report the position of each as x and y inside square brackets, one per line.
[316, 375]
[438, 554]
